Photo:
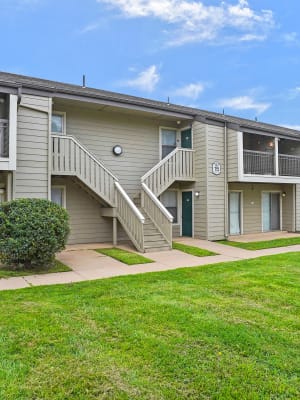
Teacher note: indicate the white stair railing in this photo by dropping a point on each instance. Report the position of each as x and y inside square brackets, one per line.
[178, 165]
[69, 157]
[130, 217]
[157, 212]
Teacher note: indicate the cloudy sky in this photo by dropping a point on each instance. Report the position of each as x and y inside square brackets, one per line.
[237, 55]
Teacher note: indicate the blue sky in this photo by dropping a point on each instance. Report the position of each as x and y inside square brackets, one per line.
[243, 56]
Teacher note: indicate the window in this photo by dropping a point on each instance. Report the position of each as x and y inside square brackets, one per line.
[58, 195]
[58, 123]
[168, 141]
[169, 200]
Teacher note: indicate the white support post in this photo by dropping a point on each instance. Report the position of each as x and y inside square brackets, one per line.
[115, 231]
[276, 158]
[13, 111]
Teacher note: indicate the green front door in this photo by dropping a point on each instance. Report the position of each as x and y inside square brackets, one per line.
[186, 138]
[187, 214]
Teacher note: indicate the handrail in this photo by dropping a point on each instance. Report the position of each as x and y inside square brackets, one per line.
[158, 203]
[67, 137]
[258, 152]
[131, 204]
[289, 156]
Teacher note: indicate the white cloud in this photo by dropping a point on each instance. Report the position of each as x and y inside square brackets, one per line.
[146, 80]
[89, 28]
[245, 103]
[291, 37]
[295, 127]
[191, 91]
[195, 21]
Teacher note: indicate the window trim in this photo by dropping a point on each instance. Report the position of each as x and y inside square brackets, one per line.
[64, 194]
[161, 128]
[64, 115]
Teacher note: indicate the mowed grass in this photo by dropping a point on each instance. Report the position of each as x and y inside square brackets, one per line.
[265, 244]
[126, 257]
[58, 266]
[226, 331]
[194, 251]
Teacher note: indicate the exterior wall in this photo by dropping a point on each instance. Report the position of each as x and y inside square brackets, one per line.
[86, 223]
[297, 195]
[232, 156]
[215, 184]
[252, 205]
[99, 131]
[200, 203]
[32, 175]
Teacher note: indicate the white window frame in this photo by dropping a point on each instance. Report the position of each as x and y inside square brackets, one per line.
[178, 223]
[64, 122]
[241, 211]
[64, 194]
[161, 128]
[261, 208]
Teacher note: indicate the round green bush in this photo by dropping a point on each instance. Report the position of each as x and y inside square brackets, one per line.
[31, 232]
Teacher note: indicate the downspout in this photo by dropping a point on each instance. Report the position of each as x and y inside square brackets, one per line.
[225, 183]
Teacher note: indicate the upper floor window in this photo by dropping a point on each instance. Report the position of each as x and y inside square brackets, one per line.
[168, 141]
[58, 123]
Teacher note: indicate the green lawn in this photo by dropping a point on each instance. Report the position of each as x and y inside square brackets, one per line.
[126, 257]
[58, 266]
[194, 251]
[266, 244]
[226, 331]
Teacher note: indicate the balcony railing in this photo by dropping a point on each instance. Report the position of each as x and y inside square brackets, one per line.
[289, 165]
[4, 139]
[264, 163]
[259, 163]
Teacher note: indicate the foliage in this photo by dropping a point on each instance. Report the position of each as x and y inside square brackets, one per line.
[264, 244]
[194, 251]
[31, 232]
[57, 266]
[126, 257]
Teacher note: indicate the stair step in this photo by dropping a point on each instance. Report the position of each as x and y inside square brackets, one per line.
[153, 249]
[154, 238]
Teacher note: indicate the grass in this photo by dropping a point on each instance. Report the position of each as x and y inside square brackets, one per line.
[265, 244]
[194, 251]
[126, 257]
[228, 331]
[58, 266]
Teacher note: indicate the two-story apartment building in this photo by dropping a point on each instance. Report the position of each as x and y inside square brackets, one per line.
[127, 167]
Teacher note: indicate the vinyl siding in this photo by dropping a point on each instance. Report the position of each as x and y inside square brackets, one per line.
[31, 178]
[252, 205]
[200, 203]
[232, 155]
[215, 184]
[86, 223]
[99, 131]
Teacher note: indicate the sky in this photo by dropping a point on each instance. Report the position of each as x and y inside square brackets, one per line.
[239, 56]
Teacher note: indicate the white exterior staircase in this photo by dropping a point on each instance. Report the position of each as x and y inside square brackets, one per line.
[148, 223]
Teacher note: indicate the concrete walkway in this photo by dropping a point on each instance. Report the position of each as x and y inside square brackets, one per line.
[87, 264]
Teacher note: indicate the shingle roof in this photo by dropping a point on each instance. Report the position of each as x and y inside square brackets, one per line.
[15, 80]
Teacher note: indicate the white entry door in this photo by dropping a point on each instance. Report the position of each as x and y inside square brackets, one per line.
[235, 213]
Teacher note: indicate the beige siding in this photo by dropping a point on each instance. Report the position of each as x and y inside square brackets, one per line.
[99, 131]
[232, 155]
[31, 179]
[252, 205]
[86, 223]
[176, 230]
[200, 203]
[215, 184]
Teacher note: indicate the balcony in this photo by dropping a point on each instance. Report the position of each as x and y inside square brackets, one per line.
[264, 155]
[4, 138]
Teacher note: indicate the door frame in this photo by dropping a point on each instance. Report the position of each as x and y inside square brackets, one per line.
[262, 211]
[192, 136]
[241, 211]
[193, 205]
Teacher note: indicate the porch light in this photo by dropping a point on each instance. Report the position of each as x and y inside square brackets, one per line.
[197, 194]
[271, 144]
[283, 194]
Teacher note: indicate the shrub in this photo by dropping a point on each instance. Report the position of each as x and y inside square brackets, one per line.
[31, 232]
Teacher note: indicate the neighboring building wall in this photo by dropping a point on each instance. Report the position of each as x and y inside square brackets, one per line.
[99, 131]
[252, 204]
[32, 175]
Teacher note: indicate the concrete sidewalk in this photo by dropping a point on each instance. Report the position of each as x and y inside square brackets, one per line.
[87, 264]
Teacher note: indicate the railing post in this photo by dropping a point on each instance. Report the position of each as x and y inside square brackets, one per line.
[276, 158]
